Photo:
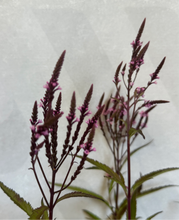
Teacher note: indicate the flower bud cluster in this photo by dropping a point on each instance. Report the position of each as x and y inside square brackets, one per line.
[87, 147]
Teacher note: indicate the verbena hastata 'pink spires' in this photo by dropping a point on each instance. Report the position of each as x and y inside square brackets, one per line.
[125, 117]
[45, 134]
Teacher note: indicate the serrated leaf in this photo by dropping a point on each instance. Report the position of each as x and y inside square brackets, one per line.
[76, 194]
[123, 206]
[152, 216]
[148, 176]
[155, 189]
[113, 175]
[38, 212]
[90, 214]
[79, 189]
[134, 151]
[45, 214]
[19, 201]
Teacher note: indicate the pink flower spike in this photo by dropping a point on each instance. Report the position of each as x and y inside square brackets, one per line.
[88, 121]
[59, 88]
[94, 149]
[39, 121]
[79, 108]
[132, 62]
[32, 128]
[54, 84]
[46, 86]
[131, 84]
[45, 133]
[89, 112]
[143, 114]
[133, 43]
[86, 152]
[37, 135]
[77, 119]
[82, 146]
[40, 104]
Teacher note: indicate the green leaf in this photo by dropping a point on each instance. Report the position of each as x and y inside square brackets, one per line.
[76, 194]
[152, 216]
[148, 176]
[146, 192]
[133, 131]
[134, 151]
[113, 175]
[45, 214]
[123, 206]
[90, 214]
[19, 201]
[122, 209]
[92, 168]
[79, 189]
[38, 212]
[111, 185]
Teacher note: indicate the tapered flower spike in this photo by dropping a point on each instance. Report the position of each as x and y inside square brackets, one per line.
[58, 67]
[139, 33]
[101, 100]
[58, 103]
[34, 114]
[155, 74]
[88, 96]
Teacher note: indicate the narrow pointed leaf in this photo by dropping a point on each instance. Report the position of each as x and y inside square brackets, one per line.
[148, 176]
[113, 175]
[90, 214]
[152, 190]
[92, 168]
[19, 201]
[38, 212]
[133, 131]
[76, 194]
[111, 185]
[79, 189]
[123, 206]
[152, 216]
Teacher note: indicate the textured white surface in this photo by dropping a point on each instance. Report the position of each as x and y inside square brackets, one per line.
[97, 36]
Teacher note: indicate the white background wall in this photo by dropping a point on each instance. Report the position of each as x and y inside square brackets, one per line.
[97, 36]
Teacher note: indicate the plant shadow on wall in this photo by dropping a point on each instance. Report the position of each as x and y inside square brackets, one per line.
[121, 120]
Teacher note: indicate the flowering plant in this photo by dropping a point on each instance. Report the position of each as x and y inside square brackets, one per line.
[122, 120]
[44, 134]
